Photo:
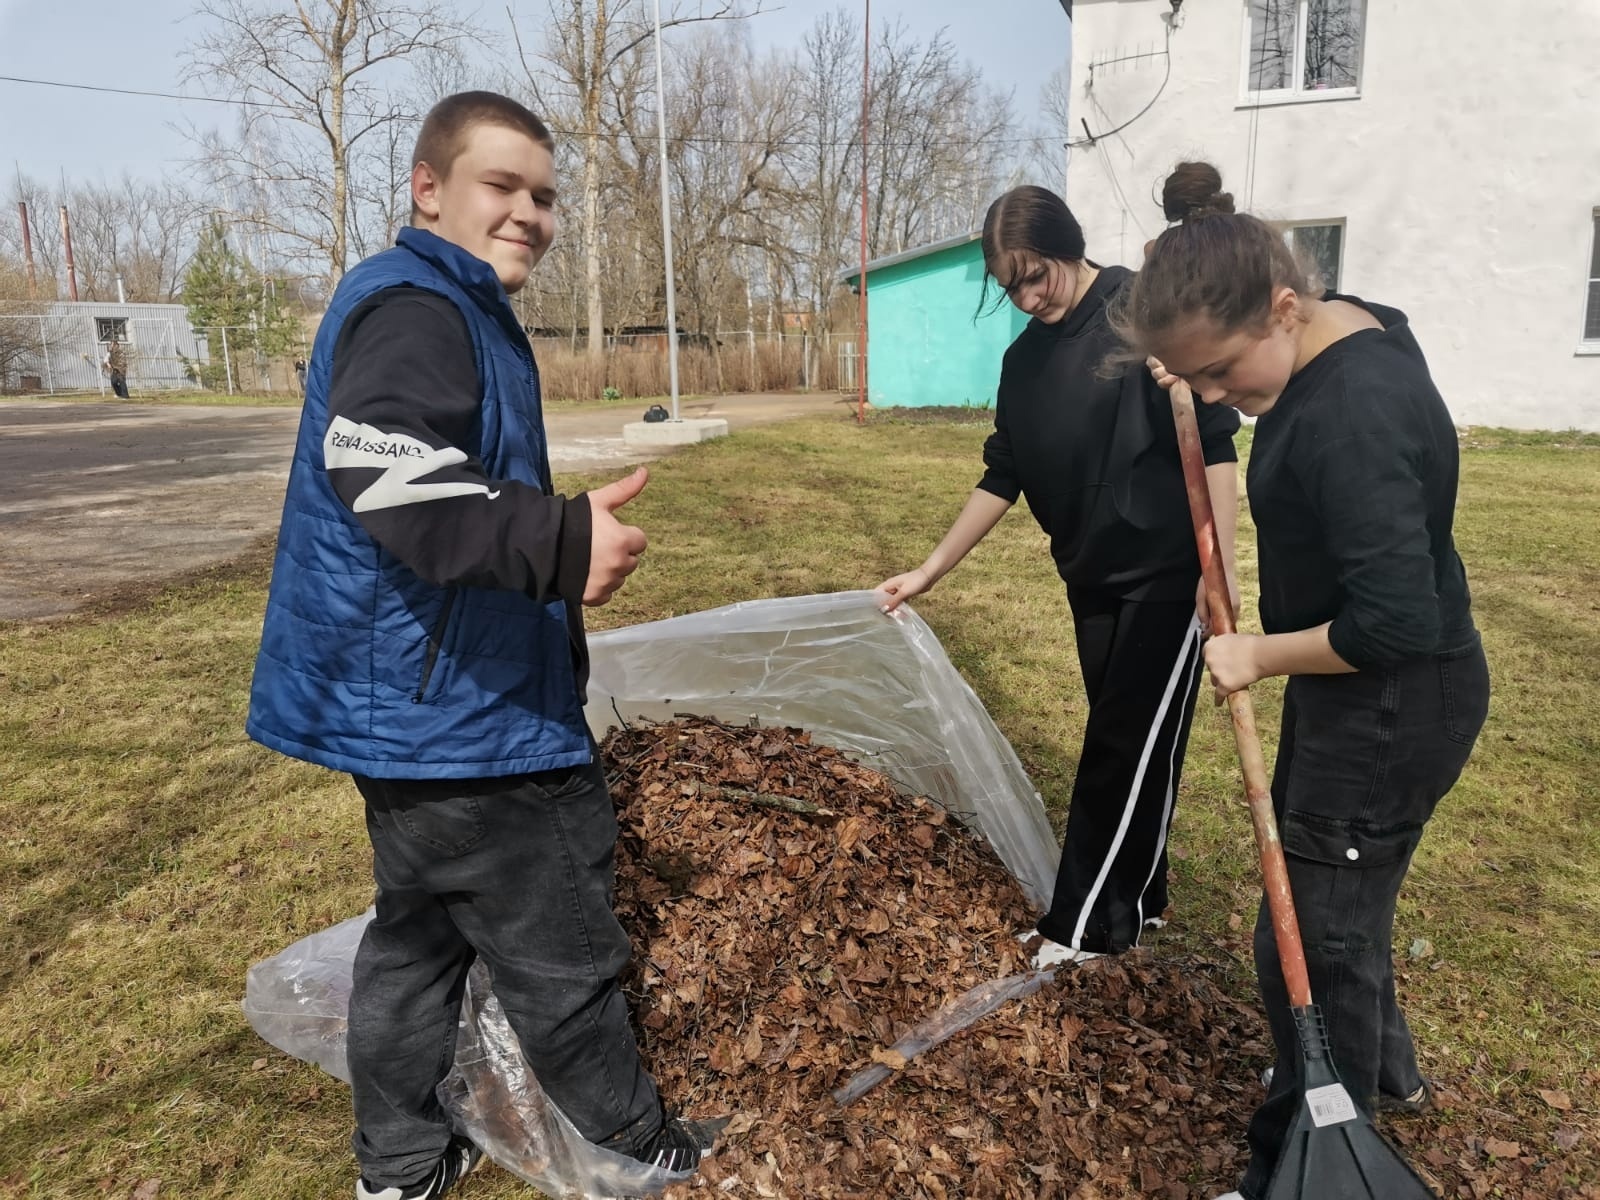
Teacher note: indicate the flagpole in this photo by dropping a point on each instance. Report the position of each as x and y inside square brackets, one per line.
[666, 222]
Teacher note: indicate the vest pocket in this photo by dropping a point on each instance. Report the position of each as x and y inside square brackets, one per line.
[435, 643]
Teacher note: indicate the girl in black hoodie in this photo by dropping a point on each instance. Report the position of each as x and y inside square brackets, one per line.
[1096, 458]
[1364, 602]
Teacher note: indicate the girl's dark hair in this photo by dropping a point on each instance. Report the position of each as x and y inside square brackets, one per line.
[1216, 264]
[1028, 221]
[1194, 189]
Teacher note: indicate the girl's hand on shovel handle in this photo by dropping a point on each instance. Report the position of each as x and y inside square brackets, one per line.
[1163, 377]
[1202, 606]
[1234, 662]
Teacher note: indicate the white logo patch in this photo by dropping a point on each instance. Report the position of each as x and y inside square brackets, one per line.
[403, 460]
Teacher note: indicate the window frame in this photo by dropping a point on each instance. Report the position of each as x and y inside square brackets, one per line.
[114, 326]
[1591, 297]
[1296, 93]
[1287, 228]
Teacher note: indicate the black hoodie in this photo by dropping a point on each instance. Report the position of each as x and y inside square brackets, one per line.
[1097, 458]
[1353, 479]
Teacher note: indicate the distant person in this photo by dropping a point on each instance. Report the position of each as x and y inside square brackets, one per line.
[114, 364]
[300, 376]
[1096, 456]
[1364, 603]
[424, 633]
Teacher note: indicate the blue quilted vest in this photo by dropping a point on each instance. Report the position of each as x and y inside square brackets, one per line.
[363, 666]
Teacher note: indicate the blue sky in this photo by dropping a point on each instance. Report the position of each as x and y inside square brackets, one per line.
[88, 135]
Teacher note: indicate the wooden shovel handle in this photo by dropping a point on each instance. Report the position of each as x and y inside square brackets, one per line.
[1274, 871]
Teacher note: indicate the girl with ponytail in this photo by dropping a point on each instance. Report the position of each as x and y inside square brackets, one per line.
[1364, 607]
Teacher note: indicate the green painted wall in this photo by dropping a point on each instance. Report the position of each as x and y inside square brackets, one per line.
[922, 343]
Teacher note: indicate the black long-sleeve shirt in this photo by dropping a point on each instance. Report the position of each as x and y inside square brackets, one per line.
[1097, 457]
[404, 427]
[1352, 484]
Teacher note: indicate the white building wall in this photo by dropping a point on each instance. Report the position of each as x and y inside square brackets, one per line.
[1467, 173]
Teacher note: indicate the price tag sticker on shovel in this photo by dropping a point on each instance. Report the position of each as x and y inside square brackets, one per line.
[1330, 1105]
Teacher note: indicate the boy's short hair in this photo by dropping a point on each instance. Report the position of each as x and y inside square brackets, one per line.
[444, 130]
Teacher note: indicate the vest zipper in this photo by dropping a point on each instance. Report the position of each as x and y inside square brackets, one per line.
[435, 641]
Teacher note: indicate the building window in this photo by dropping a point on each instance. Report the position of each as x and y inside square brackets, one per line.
[1591, 310]
[1303, 48]
[1319, 246]
[111, 329]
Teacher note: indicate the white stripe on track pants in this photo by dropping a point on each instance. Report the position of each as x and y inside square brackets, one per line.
[1141, 669]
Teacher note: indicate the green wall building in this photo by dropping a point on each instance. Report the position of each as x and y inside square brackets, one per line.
[923, 346]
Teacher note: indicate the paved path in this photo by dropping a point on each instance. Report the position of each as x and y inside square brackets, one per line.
[97, 495]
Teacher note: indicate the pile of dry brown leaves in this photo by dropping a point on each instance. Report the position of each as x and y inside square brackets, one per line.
[793, 913]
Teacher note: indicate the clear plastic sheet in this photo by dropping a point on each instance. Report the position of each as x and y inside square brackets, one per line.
[878, 688]
[298, 1001]
[966, 1009]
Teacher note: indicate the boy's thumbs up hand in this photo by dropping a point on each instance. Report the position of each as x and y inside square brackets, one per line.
[614, 495]
[614, 548]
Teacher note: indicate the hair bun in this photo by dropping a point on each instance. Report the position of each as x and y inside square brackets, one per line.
[1194, 190]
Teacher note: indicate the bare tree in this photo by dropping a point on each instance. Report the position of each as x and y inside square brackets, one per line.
[21, 343]
[937, 138]
[380, 185]
[937, 141]
[43, 202]
[731, 120]
[320, 77]
[138, 232]
[827, 177]
[589, 45]
[1048, 156]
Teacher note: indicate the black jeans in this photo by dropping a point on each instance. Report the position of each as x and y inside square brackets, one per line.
[1362, 762]
[518, 870]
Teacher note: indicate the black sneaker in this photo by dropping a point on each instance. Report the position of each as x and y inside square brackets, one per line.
[680, 1145]
[1420, 1101]
[459, 1160]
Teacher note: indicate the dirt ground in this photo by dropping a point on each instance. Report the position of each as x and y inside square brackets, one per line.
[99, 497]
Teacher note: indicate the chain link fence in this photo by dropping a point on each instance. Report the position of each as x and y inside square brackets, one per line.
[66, 351]
[230, 368]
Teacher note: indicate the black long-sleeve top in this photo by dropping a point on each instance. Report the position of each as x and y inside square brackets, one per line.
[404, 377]
[1352, 483]
[1096, 457]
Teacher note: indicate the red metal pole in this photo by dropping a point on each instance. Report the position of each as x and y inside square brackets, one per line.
[27, 250]
[66, 239]
[861, 319]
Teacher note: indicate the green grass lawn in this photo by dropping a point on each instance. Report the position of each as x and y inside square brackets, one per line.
[151, 853]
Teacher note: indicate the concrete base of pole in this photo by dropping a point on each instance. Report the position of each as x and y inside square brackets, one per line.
[673, 433]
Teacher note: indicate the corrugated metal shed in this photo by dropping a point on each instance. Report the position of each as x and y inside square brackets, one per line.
[73, 336]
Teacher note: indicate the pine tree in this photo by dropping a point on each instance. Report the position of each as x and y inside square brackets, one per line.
[221, 289]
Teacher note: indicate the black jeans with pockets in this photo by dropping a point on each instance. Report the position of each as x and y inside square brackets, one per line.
[1363, 760]
[519, 871]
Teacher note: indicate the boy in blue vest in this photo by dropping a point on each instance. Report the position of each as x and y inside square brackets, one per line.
[424, 634]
